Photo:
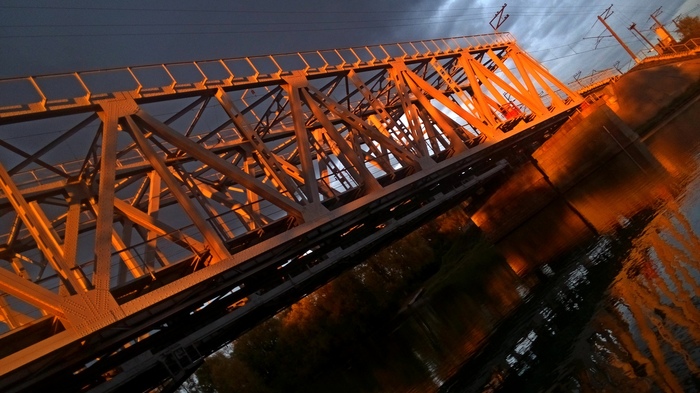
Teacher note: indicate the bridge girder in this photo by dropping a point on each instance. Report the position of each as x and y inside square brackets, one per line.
[121, 211]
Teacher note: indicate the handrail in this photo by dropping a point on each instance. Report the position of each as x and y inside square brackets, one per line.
[596, 79]
[689, 48]
[43, 93]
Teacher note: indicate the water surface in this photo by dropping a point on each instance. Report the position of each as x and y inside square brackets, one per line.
[599, 291]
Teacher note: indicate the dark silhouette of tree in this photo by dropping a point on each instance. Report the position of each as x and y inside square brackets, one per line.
[688, 28]
[333, 325]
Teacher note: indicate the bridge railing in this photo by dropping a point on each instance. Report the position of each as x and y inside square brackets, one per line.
[596, 79]
[75, 89]
[687, 48]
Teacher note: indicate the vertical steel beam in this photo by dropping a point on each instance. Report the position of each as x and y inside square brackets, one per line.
[127, 230]
[351, 161]
[540, 74]
[443, 121]
[154, 190]
[151, 224]
[251, 197]
[410, 112]
[373, 100]
[434, 137]
[531, 89]
[126, 255]
[263, 153]
[42, 232]
[212, 240]
[192, 185]
[404, 156]
[490, 132]
[557, 102]
[302, 139]
[70, 241]
[105, 207]
[514, 88]
[225, 168]
[457, 91]
[556, 82]
[482, 106]
[244, 213]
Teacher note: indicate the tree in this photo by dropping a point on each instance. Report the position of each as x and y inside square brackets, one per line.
[688, 27]
[335, 323]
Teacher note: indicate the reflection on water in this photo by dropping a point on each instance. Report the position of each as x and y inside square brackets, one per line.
[622, 314]
[644, 333]
[606, 296]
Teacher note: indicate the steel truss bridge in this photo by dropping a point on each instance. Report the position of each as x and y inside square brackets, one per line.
[150, 214]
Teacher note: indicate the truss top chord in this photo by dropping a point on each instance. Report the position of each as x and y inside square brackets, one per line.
[29, 95]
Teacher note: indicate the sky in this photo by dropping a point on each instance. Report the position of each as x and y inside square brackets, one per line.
[42, 37]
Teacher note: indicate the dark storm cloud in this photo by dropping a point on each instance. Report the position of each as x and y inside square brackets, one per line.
[554, 32]
[47, 37]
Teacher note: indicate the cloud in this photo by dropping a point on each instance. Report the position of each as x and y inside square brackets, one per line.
[86, 34]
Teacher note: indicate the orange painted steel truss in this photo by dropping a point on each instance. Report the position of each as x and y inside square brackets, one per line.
[122, 188]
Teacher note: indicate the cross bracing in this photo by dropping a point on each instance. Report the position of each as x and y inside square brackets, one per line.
[123, 190]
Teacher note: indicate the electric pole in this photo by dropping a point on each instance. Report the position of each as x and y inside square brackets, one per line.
[633, 27]
[617, 67]
[501, 18]
[676, 19]
[576, 78]
[605, 15]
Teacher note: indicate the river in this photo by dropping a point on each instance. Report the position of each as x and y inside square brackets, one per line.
[597, 291]
[616, 309]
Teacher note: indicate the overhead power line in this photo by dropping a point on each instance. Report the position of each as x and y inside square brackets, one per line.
[246, 31]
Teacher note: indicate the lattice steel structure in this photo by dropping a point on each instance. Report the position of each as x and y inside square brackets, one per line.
[596, 80]
[134, 198]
